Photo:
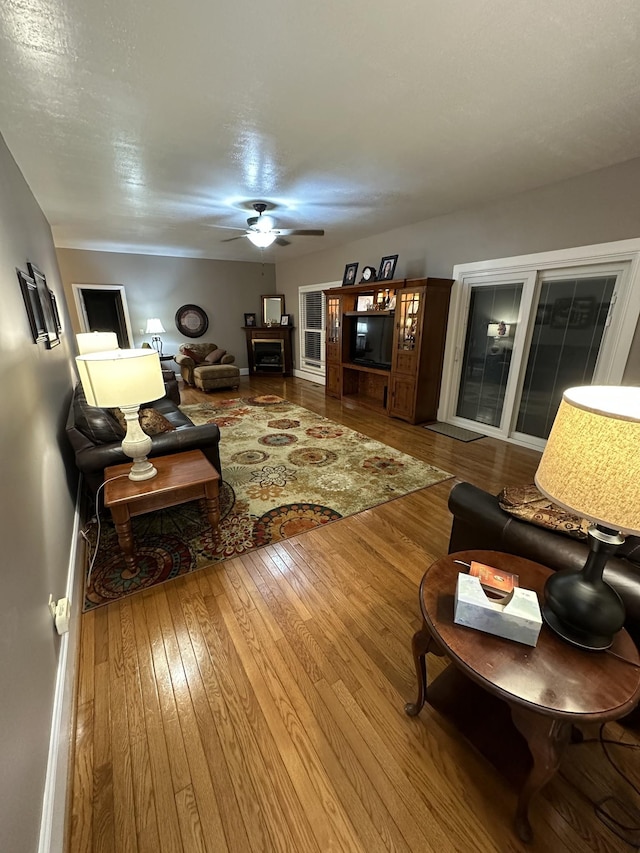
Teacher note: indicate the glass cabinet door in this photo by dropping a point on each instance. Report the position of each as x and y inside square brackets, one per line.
[333, 319]
[407, 319]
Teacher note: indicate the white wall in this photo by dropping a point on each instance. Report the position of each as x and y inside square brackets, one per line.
[37, 495]
[598, 207]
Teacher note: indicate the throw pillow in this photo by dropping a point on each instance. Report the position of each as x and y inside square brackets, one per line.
[151, 421]
[528, 504]
[215, 356]
[193, 354]
[97, 424]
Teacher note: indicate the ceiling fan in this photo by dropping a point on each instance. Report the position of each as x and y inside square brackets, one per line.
[262, 233]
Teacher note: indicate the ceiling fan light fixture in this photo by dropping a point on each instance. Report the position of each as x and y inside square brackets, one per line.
[264, 223]
[261, 239]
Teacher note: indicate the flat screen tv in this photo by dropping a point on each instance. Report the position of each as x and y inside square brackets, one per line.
[371, 341]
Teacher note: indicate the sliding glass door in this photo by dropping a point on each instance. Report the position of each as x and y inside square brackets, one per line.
[491, 327]
[568, 327]
[526, 339]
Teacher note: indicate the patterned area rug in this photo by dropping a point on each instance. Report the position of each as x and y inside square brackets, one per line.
[286, 470]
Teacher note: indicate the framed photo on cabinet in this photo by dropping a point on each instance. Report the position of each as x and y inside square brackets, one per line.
[387, 267]
[350, 272]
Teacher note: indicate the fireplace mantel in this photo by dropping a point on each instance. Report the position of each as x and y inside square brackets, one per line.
[269, 334]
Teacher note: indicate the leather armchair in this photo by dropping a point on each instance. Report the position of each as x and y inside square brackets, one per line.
[195, 370]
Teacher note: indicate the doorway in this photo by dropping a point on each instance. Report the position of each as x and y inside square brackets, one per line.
[103, 308]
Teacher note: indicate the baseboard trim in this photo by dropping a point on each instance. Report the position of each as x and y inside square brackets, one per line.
[56, 789]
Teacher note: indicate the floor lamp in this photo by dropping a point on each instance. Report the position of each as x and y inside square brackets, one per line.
[591, 467]
[124, 379]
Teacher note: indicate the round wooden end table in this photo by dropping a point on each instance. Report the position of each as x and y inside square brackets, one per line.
[549, 689]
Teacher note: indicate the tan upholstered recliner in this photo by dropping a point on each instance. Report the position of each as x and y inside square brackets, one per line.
[207, 375]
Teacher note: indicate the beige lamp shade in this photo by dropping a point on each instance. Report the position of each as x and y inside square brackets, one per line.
[591, 464]
[123, 377]
[154, 327]
[96, 342]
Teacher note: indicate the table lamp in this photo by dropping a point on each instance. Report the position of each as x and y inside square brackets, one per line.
[591, 467]
[96, 342]
[125, 378]
[155, 328]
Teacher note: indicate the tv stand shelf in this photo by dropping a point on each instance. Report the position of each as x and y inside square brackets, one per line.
[410, 388]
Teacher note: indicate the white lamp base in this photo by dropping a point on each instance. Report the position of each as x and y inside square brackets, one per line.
[137, 444]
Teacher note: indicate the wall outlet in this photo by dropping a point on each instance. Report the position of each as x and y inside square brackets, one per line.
[63, 615]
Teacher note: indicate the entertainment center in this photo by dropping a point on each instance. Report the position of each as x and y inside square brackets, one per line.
[385, 345]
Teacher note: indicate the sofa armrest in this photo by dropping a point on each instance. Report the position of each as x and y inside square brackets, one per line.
[478, 521]
[480, 524]
[227, 359]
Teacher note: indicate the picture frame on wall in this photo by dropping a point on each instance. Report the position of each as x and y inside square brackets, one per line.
[250, 319]
[191, 321]
[56, 313]
[387, 267]
[350, 272]
[52, 338]
[33, 307]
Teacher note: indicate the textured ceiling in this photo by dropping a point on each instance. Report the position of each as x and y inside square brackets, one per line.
[141, 125]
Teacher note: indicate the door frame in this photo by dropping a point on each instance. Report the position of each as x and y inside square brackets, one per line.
[82, 312]
[623, 319]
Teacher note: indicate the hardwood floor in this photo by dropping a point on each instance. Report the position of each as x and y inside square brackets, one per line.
[258, 705]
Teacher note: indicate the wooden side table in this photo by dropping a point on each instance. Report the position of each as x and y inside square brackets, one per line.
[548, 689]
[181, 477]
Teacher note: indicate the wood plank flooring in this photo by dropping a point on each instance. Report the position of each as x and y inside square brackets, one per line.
[258, 705]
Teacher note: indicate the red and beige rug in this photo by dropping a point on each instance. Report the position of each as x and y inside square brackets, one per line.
[286, 470]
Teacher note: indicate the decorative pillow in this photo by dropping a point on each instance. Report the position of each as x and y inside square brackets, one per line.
[528, 504]
[97, 424]
[151, 421]
[215, 356]
[193, 354]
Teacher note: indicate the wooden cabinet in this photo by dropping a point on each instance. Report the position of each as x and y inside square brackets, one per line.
[410, 387]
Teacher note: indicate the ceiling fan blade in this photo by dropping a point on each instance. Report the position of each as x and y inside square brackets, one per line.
[297, 232]
[229, 239]
[280, 241]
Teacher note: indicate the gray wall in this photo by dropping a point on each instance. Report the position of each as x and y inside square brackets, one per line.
[598, 207]
[36, 518]
[157, 286]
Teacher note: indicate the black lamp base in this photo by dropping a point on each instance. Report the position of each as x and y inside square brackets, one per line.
[582, 639]
[580, 606]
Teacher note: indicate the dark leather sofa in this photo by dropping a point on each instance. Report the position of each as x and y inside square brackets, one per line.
[96, 438]
[480, 523]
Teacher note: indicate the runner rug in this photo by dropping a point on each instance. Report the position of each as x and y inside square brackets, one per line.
[286, 470]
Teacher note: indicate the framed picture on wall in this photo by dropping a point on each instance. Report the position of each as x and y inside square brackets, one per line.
[52, 338]
[33, 307]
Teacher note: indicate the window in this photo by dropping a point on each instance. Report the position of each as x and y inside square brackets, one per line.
[312, 323]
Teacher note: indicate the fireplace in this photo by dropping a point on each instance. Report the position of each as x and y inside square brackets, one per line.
[268, 355]
[269, 350]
